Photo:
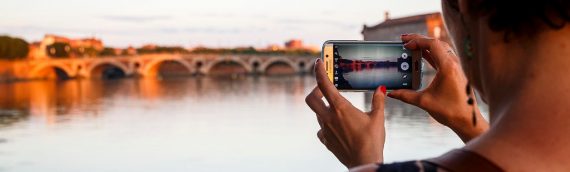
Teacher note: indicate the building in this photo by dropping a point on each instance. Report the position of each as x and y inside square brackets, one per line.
[294, 44]
[273, 47]
[390, 29]
[297, 44]
[81, 47]
[92, 42]
[149, 47]
[35, 52]
[131, 51]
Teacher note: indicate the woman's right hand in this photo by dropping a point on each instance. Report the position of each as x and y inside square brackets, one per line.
[445, 99]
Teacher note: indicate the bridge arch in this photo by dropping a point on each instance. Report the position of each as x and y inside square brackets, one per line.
[279, 66]
[153, 68]
[51, 71]
[227, 66]
[108, 69]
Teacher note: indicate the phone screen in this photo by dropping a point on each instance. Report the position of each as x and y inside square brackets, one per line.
[365, 66]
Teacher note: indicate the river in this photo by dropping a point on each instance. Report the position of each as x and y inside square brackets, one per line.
[187, 124]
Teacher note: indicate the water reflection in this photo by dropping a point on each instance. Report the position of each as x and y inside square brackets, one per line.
[59, 98]
[186, 124]
[378, 76]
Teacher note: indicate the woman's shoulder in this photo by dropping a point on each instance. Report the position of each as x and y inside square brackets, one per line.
[455, 160]
[407, 166]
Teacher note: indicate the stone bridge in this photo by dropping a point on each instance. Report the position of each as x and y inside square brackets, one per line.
[162, 64]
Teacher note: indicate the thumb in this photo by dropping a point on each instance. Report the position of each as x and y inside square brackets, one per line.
[408, 96]
[377, 113]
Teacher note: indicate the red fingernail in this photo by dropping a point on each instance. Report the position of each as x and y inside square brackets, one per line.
[318, 59]
[405, 34]
[383, 89]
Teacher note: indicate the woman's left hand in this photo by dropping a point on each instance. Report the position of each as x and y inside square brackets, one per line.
[353, 136]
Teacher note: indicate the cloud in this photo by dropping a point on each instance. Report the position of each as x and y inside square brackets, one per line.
[63, 30]
[304, 22]
[211, 30]
[211, 14]
[136, 19]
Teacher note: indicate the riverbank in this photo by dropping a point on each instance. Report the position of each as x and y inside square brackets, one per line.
[7, 71]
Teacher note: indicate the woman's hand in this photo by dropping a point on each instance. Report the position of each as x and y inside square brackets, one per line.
[353, 136]
[445, 99]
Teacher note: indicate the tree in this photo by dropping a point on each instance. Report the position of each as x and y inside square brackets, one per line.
[252, 50]
[108, 51]
[58, 50]
[13, 48]
[163, 49]
[84, 52]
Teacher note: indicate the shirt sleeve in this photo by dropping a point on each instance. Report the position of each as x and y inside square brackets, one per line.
[408, 166]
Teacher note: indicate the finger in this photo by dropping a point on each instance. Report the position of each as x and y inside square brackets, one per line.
[326, 86]
[321, 137]
[427, 56]
[438, 49]
[378, 103]
[408, 37]
[408, 96]
[315, 102]
[377, 113]
[425, 53]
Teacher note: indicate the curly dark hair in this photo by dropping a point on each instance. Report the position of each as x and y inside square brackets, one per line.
[525, 16]
[522, 17]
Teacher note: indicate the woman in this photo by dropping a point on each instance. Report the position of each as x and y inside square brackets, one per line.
[516, 54]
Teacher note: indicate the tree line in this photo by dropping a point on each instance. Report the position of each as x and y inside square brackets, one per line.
[16, 48]
[13, 48]
[254, 51]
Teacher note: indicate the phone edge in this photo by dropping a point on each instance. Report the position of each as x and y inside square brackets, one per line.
[418, 74]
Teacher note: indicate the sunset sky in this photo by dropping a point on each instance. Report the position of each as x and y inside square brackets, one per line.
[216, 23]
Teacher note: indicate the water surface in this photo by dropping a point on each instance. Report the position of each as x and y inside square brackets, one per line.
[186, 124]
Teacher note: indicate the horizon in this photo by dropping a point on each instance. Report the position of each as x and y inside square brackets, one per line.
[122, 23]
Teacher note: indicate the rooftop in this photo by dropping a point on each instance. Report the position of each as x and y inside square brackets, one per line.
[402, 21]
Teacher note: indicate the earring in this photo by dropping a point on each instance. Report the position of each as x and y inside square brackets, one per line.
[468, 50]
[471, 102]
[468, 47]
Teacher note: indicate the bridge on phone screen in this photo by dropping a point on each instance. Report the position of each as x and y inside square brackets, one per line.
[155, 65]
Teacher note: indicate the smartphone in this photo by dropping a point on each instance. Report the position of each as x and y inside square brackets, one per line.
[365, 65]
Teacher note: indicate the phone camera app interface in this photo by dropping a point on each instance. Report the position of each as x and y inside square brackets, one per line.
[368, 65]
